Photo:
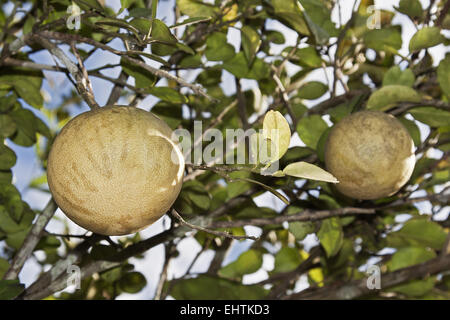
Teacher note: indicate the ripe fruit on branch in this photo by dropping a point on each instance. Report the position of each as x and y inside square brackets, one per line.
[371, 154]
[115, 170]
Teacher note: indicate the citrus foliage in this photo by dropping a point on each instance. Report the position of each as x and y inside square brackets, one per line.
[219, 45]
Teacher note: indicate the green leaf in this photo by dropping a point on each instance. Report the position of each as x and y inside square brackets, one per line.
[170, 113]
[5, 177]
[287, 259]
[89, 4]
[388, 96]
[217, 47]
[418, 232]
[289, 11]
[112, 275]
[30, 93]
[317, 13]
[4, 266]
[7, 126]
[321, 144]
[426, 38]
[306, 57]
[7, 157]
[396, 76]
[236, 188]
[48, 242]
[26, 83]
[413, 130]
[140, 12]
[126, 3]
[194, 61]
[154, 8]
[443, 75]
[197, 193]
[301, 229]
[421, 165]
[190, 21]
[195, 8]
[7, 224]
[42, 128]
[143, 78]
[415, 288]
[312, 90]
[167, 94]
[275, 37]
[317, 16]
[238, 66]
[331, 236]
[211, 288]
[15, 240]
[276, 129]
[150, 56]
[377, 39]
[320, 34]
[132, 282]
[163, 34]
[310, 129]
[250, 42]
[409, 256]
[119, 23]
[310, 171]
[7, 102]
[248, 262]
[9, 289]
[431, 116]
[26, 127]
[270, 189]
[412, 8]
[259, 70]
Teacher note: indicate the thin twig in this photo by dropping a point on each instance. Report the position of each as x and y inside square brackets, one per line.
[306, 215]
[358, 288]
[214, 232]
[85, 77]
[31, 241]
[443, 13]
[242, 104]
[163, 277]
[77, 74]
[157, 72]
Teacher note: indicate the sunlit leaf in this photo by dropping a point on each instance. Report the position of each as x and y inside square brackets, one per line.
[307, 170]
[331, 236]
[248, 262]
[386, 97]
[396, 76]
[426, 38]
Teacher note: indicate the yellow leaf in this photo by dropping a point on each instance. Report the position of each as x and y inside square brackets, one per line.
[308, 171]
[276, 129]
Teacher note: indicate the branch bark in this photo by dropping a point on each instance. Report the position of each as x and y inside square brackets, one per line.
[358, 288]
[306, 215]
[30, 241]
[82, 83]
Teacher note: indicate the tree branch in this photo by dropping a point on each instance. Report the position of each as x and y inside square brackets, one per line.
[217, 233]
[30, 241]
[358, 288]
[157, 72]
[443, 13]
[82, 83]
[306, 215]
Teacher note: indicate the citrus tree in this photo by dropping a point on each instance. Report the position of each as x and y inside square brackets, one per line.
[297, 66]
